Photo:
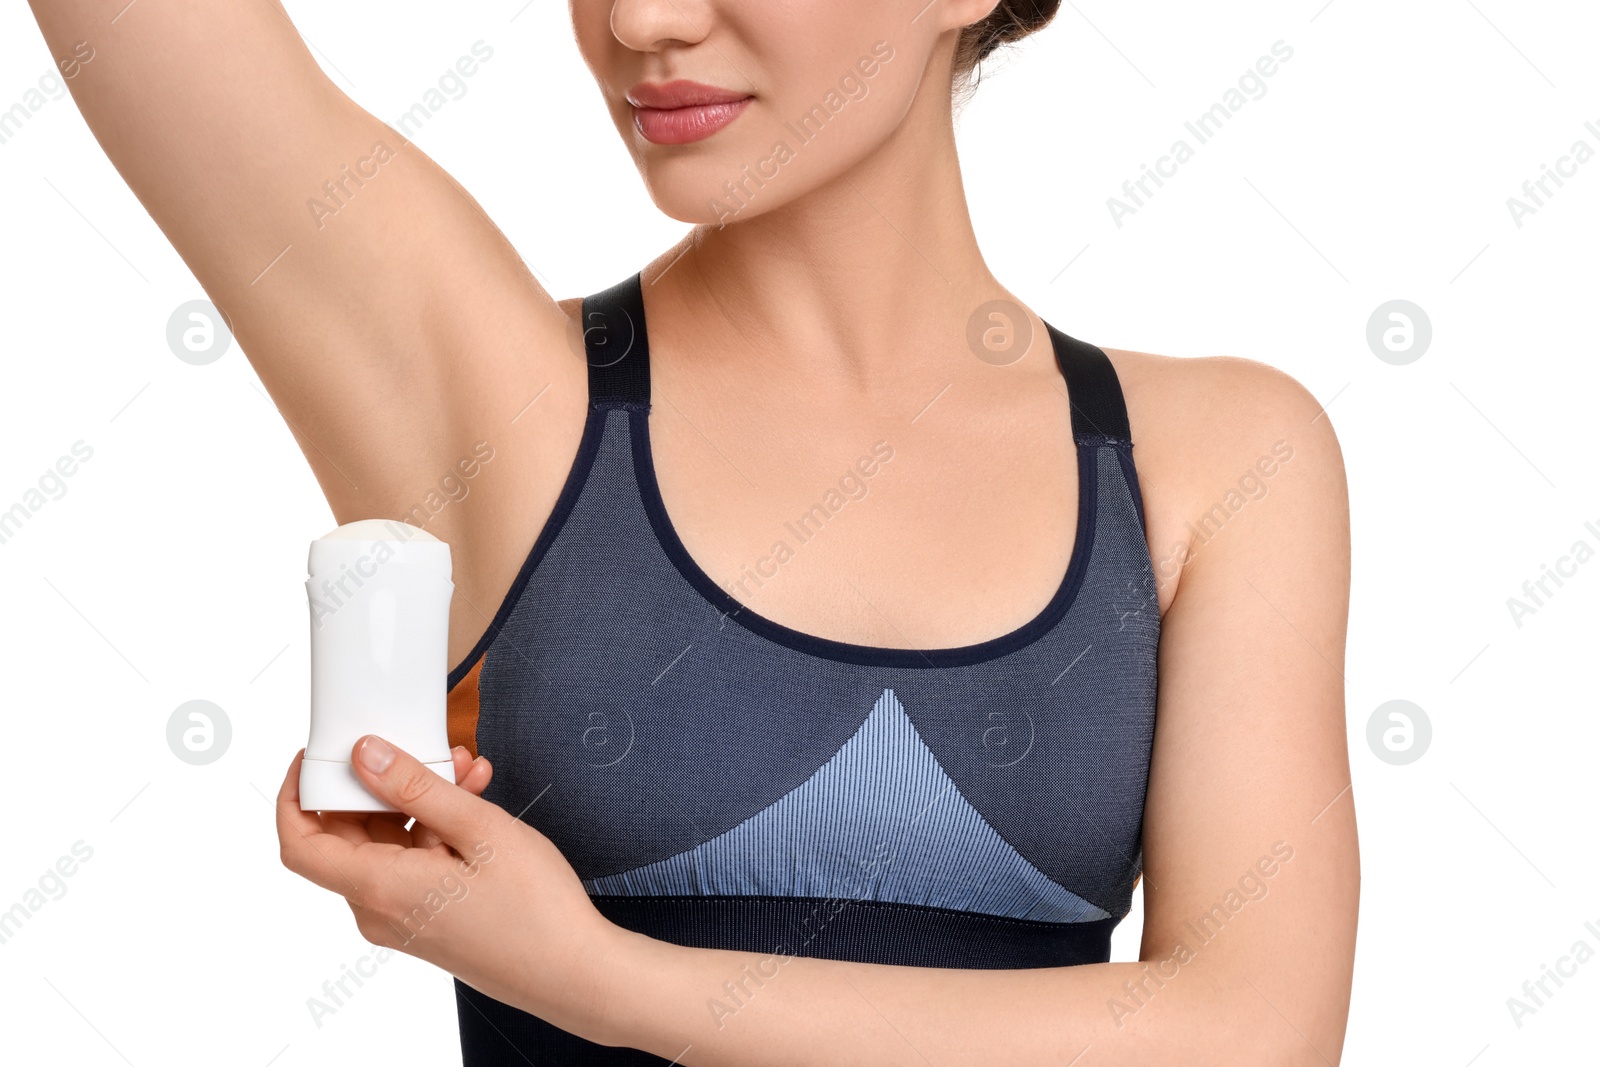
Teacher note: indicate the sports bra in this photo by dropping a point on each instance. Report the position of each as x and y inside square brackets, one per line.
[720, 780]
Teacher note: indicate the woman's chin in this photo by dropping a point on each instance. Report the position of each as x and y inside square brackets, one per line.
[704, 203]
[722, 188]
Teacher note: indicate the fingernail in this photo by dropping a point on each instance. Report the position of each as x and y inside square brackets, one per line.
[375, 755]
[461, 749]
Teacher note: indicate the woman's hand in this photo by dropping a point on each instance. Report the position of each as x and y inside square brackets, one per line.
[472, 775]
[469, 888]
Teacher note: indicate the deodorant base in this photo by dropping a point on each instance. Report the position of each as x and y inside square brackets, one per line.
[326, 785]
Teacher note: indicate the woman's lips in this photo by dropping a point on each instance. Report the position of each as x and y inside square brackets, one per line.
[683, 125]
[682, 112]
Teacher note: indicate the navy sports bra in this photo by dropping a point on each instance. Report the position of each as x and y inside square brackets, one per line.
[720, 780]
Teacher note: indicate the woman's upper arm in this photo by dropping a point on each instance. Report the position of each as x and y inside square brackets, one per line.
[386, 315]
[1251, 869]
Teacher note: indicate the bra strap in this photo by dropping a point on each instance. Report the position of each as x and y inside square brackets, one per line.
[618, 352]
[615, 345]
[1098, 410]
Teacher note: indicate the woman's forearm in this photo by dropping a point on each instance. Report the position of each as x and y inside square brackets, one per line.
[709, 1008]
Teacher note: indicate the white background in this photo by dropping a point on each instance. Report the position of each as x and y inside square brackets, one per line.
[1377, 167]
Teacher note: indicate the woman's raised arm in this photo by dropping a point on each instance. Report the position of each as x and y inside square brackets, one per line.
[391, 322]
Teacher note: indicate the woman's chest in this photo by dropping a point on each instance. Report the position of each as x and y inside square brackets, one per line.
[669, 750]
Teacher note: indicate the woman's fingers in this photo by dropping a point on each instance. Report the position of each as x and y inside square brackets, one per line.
[385, 882]
[363, 827]
[459, 817]
[350, 826]
[389, 829]
[304, 846]
[478, 779]
[288, 803]
[471, 775]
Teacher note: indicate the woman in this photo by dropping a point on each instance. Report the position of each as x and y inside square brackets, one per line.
[811, 605]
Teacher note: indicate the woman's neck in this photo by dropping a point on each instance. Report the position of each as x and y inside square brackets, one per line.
[847, 281]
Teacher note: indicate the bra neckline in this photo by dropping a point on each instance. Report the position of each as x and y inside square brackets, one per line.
[666, 535]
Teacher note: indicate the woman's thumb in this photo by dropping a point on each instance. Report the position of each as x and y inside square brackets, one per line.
[402, 781]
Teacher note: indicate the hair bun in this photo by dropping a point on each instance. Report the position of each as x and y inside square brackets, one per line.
[1011, 20]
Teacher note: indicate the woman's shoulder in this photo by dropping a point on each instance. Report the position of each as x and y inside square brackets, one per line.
[1204, 387]
[1218, 408]
[1215, 434]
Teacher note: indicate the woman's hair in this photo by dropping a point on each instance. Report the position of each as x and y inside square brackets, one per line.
[1011, 20]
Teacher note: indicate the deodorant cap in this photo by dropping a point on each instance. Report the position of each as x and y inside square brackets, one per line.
[384, 540]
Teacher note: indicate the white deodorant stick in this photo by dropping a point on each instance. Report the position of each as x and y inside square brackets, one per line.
[379, 594]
